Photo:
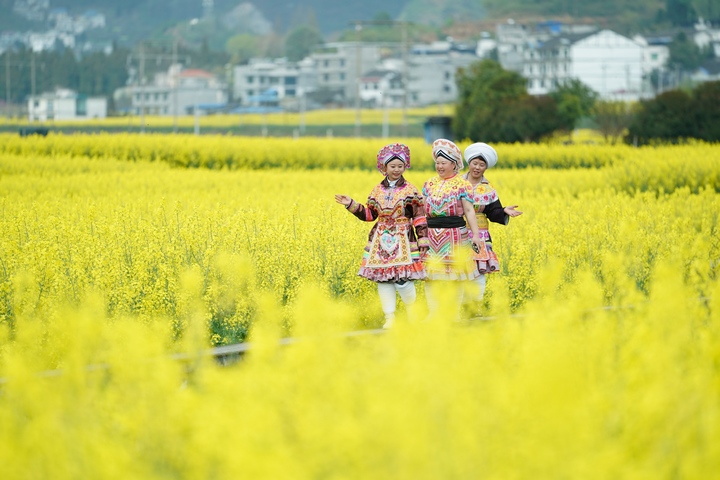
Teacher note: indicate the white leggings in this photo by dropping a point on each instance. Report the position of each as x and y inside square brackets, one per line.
[387, 296]
[478, 285]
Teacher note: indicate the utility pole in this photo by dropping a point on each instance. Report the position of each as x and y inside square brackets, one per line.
[32, 73]
[175, 88]
[7, 81]
[141, 81]
[405, 79]
[358, 59]
[141, 57]
[405, 69]
[9, 64]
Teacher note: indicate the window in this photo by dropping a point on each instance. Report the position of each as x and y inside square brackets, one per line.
[654, 56]
[250, 79]
[325, 63]
[342, 76]
[326, 77]
[290, 92]
[342, 62]
[446, 88]
[290, 81]
[447, 75]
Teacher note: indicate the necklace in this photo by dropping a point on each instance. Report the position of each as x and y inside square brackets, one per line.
[439, 193]
[389, 194]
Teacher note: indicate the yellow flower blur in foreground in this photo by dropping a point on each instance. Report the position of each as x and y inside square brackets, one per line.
[598, 358]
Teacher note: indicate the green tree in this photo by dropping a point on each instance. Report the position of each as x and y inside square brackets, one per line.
[528, 119]
[242, 47]
[668, 117]
[684, 53]
[612, 119]
[574, 100]
[680, 13]
[706, 106]
[300, 42]
[485, 90]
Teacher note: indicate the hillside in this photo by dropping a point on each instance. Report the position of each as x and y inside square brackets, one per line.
[132, 20]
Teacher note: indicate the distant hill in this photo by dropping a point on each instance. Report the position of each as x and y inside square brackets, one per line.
[131, 20]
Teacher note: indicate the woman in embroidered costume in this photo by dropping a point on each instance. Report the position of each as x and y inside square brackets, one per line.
[448, 196]
[480, 157]
[392, 255]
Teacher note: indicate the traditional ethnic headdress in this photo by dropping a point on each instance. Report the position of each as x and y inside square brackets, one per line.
[482, 150]
[391, 152]
[447, 150]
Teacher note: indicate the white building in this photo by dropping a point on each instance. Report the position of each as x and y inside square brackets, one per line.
[432, 70]
[486, 45]
[39, 42]
[656, 52]
[32, 9]
[339, 66]
[288, 79]
[608, 63]
[178, 91]
[66, 104]
[382, 88]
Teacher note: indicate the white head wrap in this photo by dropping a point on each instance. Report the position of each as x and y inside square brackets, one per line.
[483, 150]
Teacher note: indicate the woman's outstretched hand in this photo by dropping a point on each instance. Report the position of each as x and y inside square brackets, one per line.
[343, 199]
[512, 211]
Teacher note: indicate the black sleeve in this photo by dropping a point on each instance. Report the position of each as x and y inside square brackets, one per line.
[495, 212]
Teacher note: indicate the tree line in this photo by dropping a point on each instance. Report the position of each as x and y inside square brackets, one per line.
[493, 105]
[24, 72]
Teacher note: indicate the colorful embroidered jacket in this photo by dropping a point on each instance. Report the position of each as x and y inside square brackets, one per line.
[484, 195]
[393, 249]
[449, 253]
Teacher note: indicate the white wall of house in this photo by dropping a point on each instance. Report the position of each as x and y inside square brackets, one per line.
[610, 64]
[290, 80]
[166, 100]
[432, 77]
[96, 107]
[65, 105]
[339, 66]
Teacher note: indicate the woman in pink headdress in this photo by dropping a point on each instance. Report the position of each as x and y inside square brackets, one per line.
[398, 240]
[448, 199]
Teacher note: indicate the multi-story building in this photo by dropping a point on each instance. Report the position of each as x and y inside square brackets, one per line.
[178, 92]
[65, 104]
[287, 79]
[432, 69]
[608, 63]
[339, 66]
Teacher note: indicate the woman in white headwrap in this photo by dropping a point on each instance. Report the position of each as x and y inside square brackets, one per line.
[448, 197]
[480, 157]
[397, 241]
